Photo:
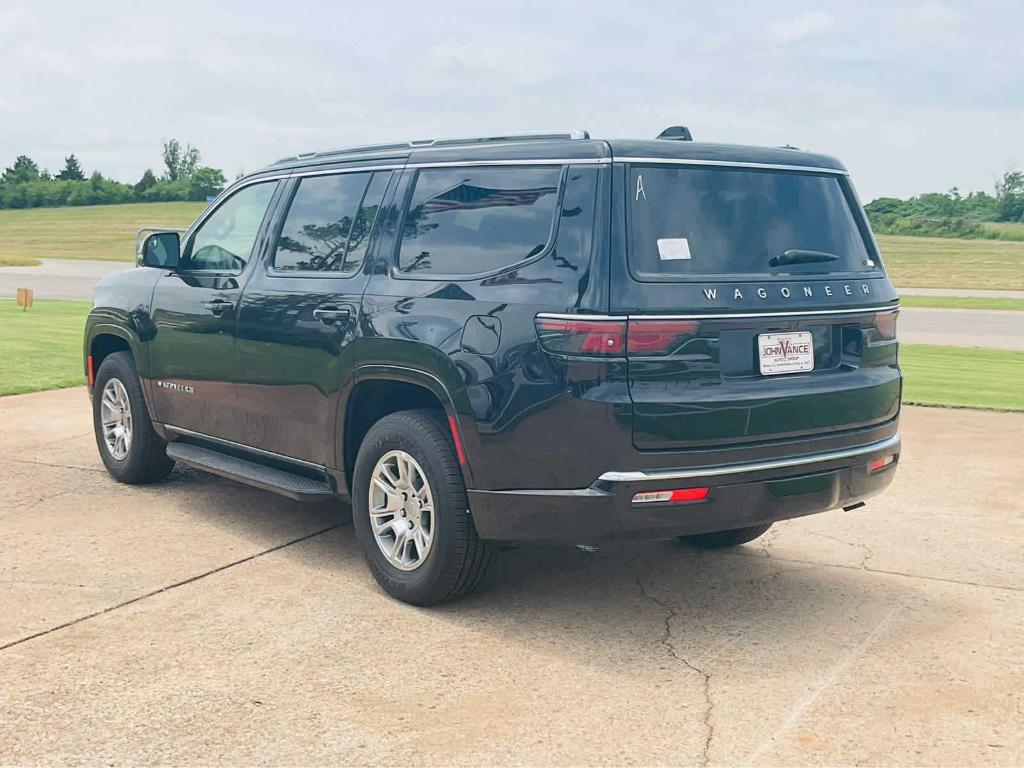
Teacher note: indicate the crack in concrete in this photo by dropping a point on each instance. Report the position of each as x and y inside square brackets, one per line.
[167, 588]
[667, 640]
[48, 464]
[882, 571]
[866, 552]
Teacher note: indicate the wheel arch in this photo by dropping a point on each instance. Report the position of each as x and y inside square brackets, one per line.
[379, 390]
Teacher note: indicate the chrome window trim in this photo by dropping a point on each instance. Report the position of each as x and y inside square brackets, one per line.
[794, 313]
[731, 164]
[727, 315]
[568, 316]
[243, 446]
[528, 161]
[754, 466]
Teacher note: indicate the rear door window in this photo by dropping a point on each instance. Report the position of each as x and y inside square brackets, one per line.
[316, 230]
[469, 221]
[687, 222]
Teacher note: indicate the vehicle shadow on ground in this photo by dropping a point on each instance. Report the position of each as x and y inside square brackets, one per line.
[623, 598]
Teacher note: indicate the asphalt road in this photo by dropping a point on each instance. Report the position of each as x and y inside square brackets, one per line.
[67, 279]
[201, 622]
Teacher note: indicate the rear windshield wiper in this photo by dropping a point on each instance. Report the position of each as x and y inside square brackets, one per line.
[801, 257]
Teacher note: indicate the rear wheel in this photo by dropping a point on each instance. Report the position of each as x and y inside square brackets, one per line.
[722, 539]
[130, 449]
[410, 511]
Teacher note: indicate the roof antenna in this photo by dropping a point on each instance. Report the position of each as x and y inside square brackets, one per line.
[676, 133]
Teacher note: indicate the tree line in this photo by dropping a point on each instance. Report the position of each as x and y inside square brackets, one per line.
[950, 214]
[23, 185]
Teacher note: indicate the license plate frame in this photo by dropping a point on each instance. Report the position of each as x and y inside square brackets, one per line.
[782, 353]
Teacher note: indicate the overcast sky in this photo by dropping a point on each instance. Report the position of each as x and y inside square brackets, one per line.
[912, 96]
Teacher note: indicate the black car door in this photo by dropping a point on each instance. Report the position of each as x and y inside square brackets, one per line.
[300, 312]
[195, 310]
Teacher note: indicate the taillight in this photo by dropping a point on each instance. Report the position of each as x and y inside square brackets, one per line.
[587, 336]
[884, 324]
[658, 337]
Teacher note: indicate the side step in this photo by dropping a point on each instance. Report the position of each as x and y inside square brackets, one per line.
[279, 481]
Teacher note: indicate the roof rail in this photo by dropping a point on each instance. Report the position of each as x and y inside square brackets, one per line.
[421, 143]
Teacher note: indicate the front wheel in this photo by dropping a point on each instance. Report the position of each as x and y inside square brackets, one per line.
[130, 449]
[411, 513]
[722, 539]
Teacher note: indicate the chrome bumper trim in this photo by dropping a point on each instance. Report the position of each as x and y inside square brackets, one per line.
[756, 466]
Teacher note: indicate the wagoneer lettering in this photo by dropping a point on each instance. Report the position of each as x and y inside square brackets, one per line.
[511, 339]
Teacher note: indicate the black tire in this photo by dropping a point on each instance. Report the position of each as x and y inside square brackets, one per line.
[457, 559]
[722, 539]
[146, 460]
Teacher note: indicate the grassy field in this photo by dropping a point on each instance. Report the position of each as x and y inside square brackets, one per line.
[936, 262]
[41, 348]
[966, 378]
[86, 232]
[1005, 230]
[962, 302]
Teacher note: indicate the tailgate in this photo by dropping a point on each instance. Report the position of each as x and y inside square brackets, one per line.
[700, 383]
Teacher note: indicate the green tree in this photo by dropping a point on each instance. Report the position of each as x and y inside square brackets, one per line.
[147, 181]
[24, 169]
[72, 170]
[1010, 196]
[205, 182]
[180, 163]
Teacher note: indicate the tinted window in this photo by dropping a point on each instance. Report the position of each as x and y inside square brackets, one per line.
[224, 241]
[471, 220]
[359, 239]
[696, 221]
[316, 230]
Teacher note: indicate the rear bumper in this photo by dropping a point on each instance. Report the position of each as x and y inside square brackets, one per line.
[740, 495]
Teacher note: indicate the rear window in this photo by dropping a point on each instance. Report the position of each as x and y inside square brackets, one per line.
[694, 222]
[465, 221]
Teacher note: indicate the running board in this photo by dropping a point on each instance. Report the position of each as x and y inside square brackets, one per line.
[279, 481]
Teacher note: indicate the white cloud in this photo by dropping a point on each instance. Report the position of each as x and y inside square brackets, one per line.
[797, 29]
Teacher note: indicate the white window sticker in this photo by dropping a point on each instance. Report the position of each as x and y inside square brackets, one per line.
[673, 249]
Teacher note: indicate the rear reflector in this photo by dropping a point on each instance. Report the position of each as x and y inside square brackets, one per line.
[882, 463]
[457, 439]
[674, 497]
[90, 372]
[590, 338]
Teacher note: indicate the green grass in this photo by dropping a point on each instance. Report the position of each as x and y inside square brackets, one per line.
[87, 232]
[937, 262]
[1004, 230]
[962, 302]
[41, 348]
[963, 377]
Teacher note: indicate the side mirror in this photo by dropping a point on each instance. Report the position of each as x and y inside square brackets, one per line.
[161, 250]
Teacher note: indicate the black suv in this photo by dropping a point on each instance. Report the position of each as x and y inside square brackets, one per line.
[521, 338]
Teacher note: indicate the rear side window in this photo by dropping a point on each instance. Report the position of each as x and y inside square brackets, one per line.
[322, 216]
[693, 222]
[465, 221]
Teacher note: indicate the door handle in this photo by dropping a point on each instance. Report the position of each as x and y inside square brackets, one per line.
[217, 306]
[328, 315]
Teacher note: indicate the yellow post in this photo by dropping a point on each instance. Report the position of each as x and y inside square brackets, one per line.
[24, 298]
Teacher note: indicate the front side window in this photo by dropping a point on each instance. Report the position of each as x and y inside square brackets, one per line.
[320, 221]
[224, 242]
[465, 221]
[690, 222]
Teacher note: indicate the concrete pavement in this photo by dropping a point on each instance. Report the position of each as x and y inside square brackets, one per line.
[58, 278]
[199, 621]
[1000, 329]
